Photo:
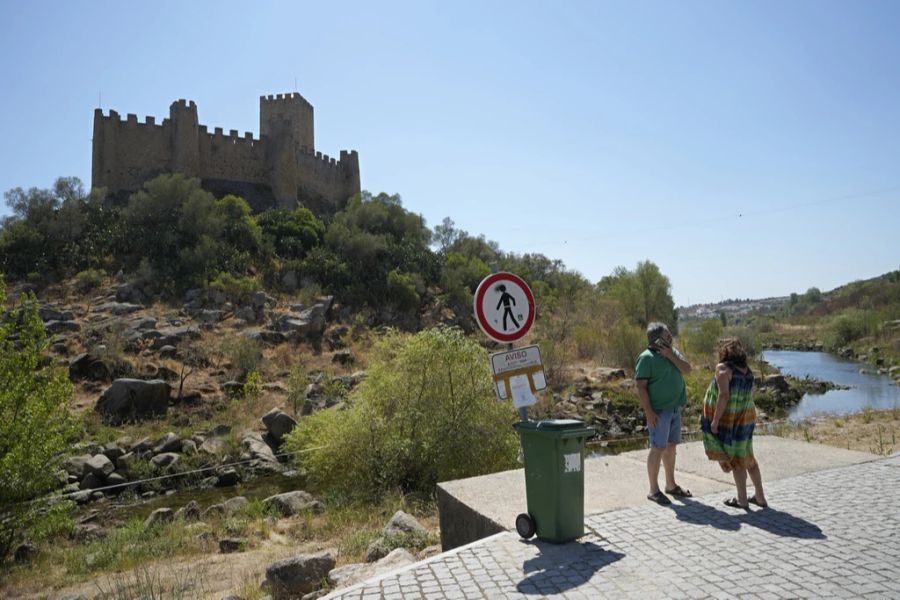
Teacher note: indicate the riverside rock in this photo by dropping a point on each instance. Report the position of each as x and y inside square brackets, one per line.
[160, 515]
[171, 442]
[299, 575]
[132, 399]
[403, 522]
[99, 465]
[166, 459]
[291, 503]
[253, 443]
[278, 424]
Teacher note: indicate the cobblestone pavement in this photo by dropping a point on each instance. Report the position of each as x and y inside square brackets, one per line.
[829, 534]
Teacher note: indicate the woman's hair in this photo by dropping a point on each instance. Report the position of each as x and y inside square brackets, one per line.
[731, 350]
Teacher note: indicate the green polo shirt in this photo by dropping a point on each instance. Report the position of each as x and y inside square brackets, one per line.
[665, 382]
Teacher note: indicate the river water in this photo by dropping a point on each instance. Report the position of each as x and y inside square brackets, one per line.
[866, 390]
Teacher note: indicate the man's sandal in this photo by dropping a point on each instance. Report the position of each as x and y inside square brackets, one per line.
[680, 492]
[753, 500]
[733, 503]
[659, 498]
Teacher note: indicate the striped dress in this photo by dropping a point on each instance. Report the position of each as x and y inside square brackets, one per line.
[733, 445]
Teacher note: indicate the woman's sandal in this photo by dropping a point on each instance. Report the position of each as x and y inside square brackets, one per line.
[753, 500]
[680, 492]
[733, 503]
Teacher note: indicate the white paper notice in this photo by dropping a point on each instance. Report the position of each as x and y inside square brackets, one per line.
[521, 391]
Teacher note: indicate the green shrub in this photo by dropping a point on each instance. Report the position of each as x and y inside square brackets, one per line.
[700, 337]
[90, 279]
[244, 354]
[850, 326]
[425, 413]
[297, 382]
[235, 287]
[35, 425]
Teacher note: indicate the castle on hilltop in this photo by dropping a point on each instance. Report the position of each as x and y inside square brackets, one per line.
[280, 169]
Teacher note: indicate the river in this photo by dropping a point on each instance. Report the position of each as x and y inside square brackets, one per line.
[866, 390]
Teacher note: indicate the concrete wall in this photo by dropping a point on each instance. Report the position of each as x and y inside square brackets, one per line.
[461, 524]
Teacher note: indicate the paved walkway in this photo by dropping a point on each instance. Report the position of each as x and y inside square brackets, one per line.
[829, 534]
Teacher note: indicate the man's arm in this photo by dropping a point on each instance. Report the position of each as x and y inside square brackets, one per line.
[677, 359]
[644, 396]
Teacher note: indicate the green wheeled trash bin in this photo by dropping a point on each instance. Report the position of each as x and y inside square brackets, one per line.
[554, 479]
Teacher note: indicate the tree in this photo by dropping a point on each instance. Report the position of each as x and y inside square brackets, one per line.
[644, 294]
[35, 425]
[373, 237]
[54, 232]
[426, 412]
[446, 234]
[290, 234]
[183, 235]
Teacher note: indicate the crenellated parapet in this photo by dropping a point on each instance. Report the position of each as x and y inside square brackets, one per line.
[281, 166]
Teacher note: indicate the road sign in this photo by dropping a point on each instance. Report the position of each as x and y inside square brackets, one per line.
[518, 374]
[504, 307]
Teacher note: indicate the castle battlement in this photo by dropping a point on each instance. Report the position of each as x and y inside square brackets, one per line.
[279, 168]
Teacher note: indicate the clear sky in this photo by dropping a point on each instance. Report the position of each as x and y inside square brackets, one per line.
[749, 149]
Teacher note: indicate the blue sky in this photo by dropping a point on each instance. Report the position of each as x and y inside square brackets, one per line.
[749, 149]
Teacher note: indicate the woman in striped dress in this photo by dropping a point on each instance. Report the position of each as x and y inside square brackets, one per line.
[728, 419]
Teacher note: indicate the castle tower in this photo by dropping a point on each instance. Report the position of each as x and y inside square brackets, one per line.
[287, 115]
[286, 123]
[186, 138]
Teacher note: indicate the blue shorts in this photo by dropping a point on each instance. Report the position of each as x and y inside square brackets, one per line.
[668, 428]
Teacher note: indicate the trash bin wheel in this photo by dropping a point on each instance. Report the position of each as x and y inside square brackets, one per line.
[525, 525]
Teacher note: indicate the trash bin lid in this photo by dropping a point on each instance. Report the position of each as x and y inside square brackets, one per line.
[551, 425]
[560, 424]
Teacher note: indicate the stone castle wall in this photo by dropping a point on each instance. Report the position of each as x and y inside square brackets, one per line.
[280, 168]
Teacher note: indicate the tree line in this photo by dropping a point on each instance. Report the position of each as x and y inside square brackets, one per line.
[373, 255]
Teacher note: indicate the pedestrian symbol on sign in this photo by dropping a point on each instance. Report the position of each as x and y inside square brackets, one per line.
[505, 300]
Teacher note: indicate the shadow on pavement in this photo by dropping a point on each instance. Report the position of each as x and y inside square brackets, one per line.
[768, 519]
[561, 567]
[784, 524]
[697, 513]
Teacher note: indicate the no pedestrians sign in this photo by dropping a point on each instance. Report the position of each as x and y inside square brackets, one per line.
[504, 307]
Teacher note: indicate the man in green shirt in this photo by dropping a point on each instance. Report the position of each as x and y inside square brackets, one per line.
[660, 383]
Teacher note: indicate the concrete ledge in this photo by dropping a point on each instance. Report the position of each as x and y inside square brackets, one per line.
[462, 524]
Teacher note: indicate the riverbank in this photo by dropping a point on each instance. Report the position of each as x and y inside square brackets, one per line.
[874, 431]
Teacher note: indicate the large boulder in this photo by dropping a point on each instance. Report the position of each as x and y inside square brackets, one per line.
[291, 503]
[133, 399]
[253, 443]
[171, 442]
[74, 465]
[99, 465]
[48, 313]
[293, 577]
[160, 515]
[278, 423]
[61, 326]
[165, 460]
[778, 382]
[402, 523]
[116, 308]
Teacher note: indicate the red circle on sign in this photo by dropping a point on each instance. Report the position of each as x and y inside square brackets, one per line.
[482, 319]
